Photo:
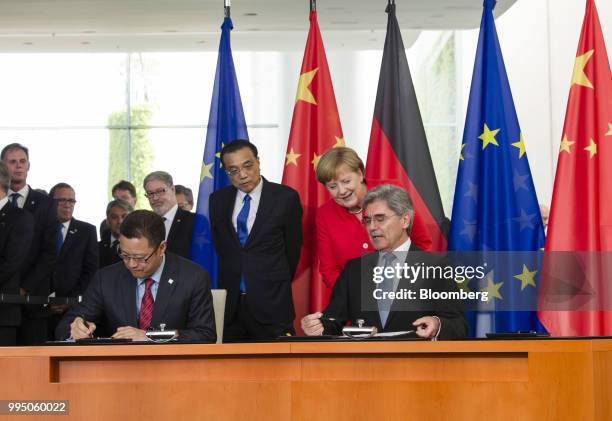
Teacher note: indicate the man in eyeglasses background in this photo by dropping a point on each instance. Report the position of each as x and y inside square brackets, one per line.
[257, 232]
[159, 189]
[388, 216]
[152, 287]
[77, 253]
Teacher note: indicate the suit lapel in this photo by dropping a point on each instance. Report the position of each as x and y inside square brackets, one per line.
[71, 235]
[228, 212]
[166, 287]
[371, 260]
[127, 291]
[176, 225]
[264, 209]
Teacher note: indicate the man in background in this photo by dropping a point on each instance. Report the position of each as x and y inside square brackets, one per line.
[184, 197]
[16, 231]
[159, 189]
[77, 253]
[38, 267]
[116, 211]
[123, 190]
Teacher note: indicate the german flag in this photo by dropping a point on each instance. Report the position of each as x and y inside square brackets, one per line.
[398, 152]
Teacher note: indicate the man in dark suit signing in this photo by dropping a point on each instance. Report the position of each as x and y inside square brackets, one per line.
[38, 267]
[149, 289]
[159, 189]
[257, 232]
[77, 253]
[16, 231]
[362, 293]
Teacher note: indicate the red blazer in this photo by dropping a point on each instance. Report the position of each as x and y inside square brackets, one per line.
[340, 238]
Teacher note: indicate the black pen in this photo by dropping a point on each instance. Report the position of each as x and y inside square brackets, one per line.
[327, 319]
[86, 324]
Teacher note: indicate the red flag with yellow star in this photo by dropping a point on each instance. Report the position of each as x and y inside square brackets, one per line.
[581, 211]
[314, 129]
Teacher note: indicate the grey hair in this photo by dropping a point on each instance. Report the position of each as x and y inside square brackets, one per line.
[396, 198]
[5, 178]
[162, 176]
[120, 204]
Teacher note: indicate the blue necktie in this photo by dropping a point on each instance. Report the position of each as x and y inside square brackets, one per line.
[60, 237]
[243, 229]
[14, 197]
[384, 305]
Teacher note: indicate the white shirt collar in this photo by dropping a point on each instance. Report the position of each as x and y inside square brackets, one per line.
[171, 213]
[156, 276]
[405, 246]
[23, 192]
[255, 193]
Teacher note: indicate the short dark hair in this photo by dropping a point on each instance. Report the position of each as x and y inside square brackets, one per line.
[180, 189]
[236, 145]
[144, 224]
[59, 186]
[14, 146]
[119, 204]
[125, 185]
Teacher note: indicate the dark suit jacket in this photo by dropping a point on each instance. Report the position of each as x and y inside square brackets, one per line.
[184, 304]
[38, 267]
[107, 255]
[352, 298]
[16, 232]
[181, 230]
[77, 261]
[269, 257]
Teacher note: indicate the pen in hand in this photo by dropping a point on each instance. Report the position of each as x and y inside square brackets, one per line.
[86, 324]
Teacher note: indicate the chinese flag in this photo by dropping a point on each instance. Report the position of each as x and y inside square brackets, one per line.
[581, 211]
[315, 128]
[398, 152]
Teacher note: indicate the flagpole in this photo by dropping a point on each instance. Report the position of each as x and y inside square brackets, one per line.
[226, 7]
[313, 5]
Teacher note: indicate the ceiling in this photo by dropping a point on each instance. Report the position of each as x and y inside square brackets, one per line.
[193, 25]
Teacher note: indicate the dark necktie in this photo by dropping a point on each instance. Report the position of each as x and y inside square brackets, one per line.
[384, 305]
[243, 229]
[14, 197]
[146, 306]
[60, 237]
[241, 221]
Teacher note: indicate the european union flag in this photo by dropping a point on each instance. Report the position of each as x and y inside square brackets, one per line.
[225, 123]
[495, 206]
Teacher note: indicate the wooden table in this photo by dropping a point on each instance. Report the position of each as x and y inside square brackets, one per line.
[463, 380]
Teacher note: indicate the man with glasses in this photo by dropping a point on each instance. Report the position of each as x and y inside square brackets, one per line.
[359, 294]
[77, 253]
[38, 267]
[152, 290]
[257, 232]
[159, 189]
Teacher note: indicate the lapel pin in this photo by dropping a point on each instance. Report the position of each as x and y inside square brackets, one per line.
[170, 281]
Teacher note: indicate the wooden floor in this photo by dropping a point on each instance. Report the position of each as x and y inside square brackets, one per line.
[466, 380]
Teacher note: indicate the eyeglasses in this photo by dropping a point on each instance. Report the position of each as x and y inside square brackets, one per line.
[234, 171]
[152, 194]
[70, 202]
[379, 218]
[139, 260]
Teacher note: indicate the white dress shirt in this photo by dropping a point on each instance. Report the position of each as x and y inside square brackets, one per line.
[23, 193]
[169, 218]
[255, 199]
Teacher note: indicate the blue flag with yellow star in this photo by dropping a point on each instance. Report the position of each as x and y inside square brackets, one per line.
[495, 206]
[225, 123]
